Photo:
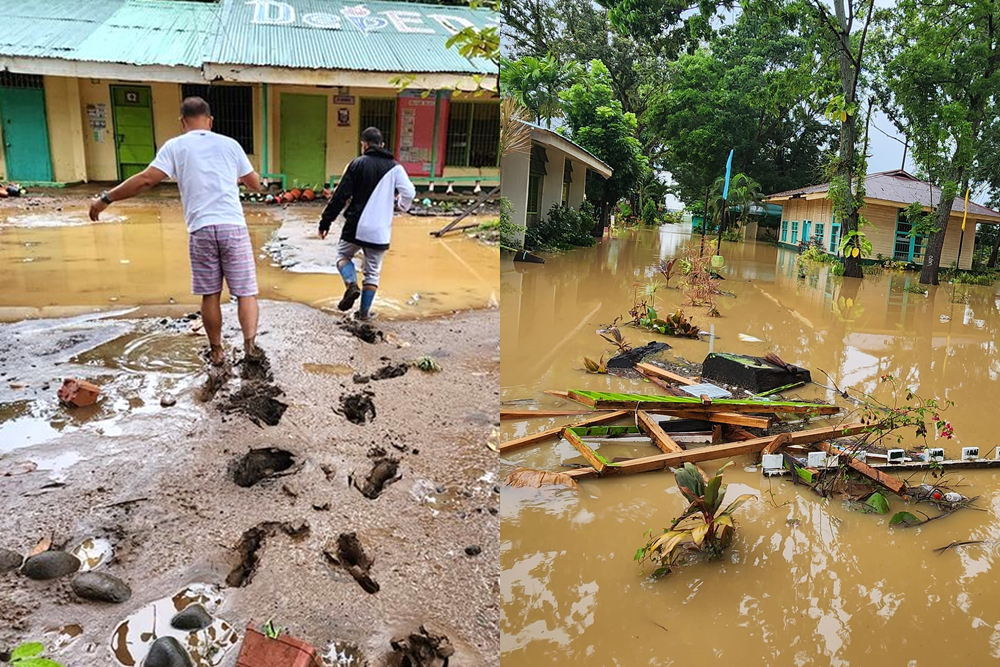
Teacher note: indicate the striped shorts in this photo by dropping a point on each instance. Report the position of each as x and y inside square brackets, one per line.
[219, 251]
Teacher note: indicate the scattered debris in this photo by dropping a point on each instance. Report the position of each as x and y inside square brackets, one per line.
[260, 464]
[755, 374]
[257, 401]
[256, 367]
[953, 545]
[349, 554]
[101, 587]
[357, 408]
[423, 649]
[636, 355]
[248, 553]
[383, 473]
[363, 330]
[78, 393]
[260, 650]
[390, 371]
[93, 552]
[528, 477]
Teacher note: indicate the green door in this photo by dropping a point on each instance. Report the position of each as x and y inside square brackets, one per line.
[132, 107]
[303, 139]
[25, 134]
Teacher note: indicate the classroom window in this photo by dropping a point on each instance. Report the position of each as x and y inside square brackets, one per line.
[232, 110]
[27, 81]
[834, 237]
[795, 232]
[473, 134]
[784, 231]
[820, 231]
[378, 112]
[806, 230]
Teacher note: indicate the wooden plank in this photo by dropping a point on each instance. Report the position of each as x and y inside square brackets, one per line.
[670, 389]
[897, 486]
[713, 452]
[776, 444]
[541, 436]
[644, 402]
[733, 418]
[560, 394]
[584, 449]
[539, 414]
[656, 371]
[657, 434]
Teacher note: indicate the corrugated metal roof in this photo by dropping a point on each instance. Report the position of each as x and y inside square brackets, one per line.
[396, 37]
[900, 187]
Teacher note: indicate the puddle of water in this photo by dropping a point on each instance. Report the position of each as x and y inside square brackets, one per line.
[807, 582]
[133, 637]
[50, 264]
[344, 654]
[23, 423]
[329, 369]
[93, 552]
[60, 638]
[145, 352]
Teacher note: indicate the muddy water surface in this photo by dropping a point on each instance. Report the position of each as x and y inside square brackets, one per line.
[55, 262]
[807, 581]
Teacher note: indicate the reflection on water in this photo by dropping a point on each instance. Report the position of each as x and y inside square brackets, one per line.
[807, 582]
[51, 264]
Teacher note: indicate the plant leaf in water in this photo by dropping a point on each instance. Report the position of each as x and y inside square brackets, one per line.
[529, 477]
[904, 518]
[27, 650]
[878, 503]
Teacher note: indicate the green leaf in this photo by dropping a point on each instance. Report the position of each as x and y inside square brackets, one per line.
[878, 503]
[27, 650]
[736, 504]
[37, 662]
[699, 533]
[712, 495]
[904, 518]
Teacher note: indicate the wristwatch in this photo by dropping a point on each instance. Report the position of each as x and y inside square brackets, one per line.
[106, 198]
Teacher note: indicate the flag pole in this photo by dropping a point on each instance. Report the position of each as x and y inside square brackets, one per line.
[961, 239]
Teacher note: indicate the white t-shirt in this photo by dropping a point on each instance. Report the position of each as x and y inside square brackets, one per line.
[206, 167]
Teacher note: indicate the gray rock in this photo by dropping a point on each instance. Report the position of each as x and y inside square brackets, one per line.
[194, 617]
[167, 652]
[10, 560]
[50, 565]
[101, 587]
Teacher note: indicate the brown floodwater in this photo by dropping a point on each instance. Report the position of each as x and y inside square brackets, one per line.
[54, 262]
[807, 581]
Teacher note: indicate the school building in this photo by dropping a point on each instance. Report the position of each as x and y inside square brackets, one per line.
[807, 218]
[89, 90]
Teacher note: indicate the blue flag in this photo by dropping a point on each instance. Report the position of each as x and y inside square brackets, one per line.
[729, 168]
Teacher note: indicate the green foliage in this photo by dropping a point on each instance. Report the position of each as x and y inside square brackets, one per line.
[30, 655]
[856, 243]
[598, 367]
[915, 289]
[427, 364]
[877, 503]
[672, 217]
[270, 630]
[907, 410]
[502, 230]
[614, 335]
[838, 268]
[904, 519]
[535, 83]
[704, 526]
[983, 278]
[649, 213]
[676, 324]
[561, 229]
[815, 254]
[733, 235]
[598, 122]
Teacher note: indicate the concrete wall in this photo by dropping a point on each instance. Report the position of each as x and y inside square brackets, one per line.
[552, 183]
[514, 170]
[578, 188]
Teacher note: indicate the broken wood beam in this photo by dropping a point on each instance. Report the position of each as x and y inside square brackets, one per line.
[895, 485]
[734, 418]
[669, 388]
[659, 437]
[538, 414]
[713, 452]
[584, 449]
[776, 444]
[554, 392]
[611, 401]
[650, 370]
[541, 436]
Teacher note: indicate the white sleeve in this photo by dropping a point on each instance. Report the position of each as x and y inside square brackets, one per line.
[405, 188]
[164, 160]
[242, 161]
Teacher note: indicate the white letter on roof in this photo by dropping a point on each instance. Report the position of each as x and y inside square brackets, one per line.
[453, 24]
[320, 20]
[407, 22]
[272, 12]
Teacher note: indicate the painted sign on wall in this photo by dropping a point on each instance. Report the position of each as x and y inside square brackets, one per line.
[360, 18]
[415, 121]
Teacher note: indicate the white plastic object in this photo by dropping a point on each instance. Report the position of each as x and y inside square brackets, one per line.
[478, 188]
[430, 187]
[934, 454]
[451, 188]
[953, 497]
[832, 462]
[895, 456]
[970, 453]
[772, 464]
[816, 460]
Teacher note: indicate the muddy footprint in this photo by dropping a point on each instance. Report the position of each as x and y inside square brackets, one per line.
[357, 408]
[257, 401]
[423, 649]
[260, 464]
[349, 554]
[256, 367]
[383, 473]
[362, 330]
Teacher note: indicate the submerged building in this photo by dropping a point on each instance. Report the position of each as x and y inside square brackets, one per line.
[90, 90]
[807, 217]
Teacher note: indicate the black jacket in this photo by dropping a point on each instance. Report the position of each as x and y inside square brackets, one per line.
[369, 185]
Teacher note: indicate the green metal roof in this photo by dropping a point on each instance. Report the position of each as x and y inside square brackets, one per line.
[380, 36]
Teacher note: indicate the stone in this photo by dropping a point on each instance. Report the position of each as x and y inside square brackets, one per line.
[50, 565]
[10, 560]
[100, 587]
[168, 400]
[193, 617]
[474, 550]
[167, 652]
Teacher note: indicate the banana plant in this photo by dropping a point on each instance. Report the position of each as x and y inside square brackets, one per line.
[703, 527]
[599, 367]
[614, 335]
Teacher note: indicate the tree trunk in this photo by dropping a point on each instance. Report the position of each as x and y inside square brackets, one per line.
[932, 255]
[848, 135]
[993, 253]
[603, 210]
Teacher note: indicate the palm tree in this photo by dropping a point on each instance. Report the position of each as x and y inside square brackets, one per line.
[744, 193]
[536, 83]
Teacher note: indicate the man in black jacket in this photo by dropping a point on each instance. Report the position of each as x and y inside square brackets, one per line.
[369, 190]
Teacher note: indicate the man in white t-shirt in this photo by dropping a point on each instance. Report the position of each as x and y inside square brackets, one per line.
[208, 168]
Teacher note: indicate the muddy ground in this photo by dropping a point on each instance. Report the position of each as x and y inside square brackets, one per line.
[159, 482]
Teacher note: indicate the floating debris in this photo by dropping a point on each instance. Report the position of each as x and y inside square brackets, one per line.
[93, 552]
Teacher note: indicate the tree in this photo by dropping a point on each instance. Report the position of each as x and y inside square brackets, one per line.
[942, 72]
[744, 193]
[536, 83]
[597, 122]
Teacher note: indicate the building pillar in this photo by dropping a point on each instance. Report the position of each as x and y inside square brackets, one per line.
[553, 181]
[64, 114]
[514, 171]
[578, 188]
